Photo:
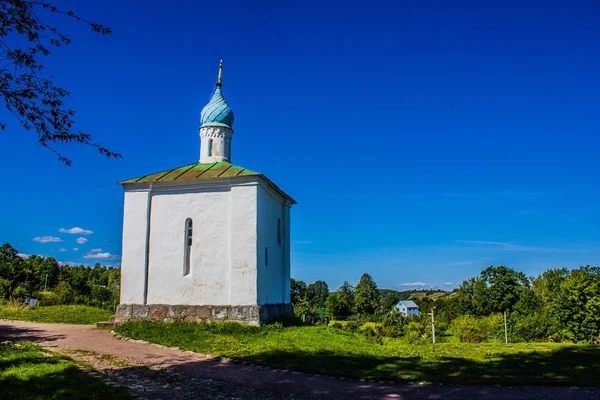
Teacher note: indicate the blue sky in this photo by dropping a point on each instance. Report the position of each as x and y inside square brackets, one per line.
[423, 140]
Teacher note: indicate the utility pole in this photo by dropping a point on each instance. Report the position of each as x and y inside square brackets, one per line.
[432, 325]
[505, 330]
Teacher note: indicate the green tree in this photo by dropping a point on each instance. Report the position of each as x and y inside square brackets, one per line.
[317, 293]
[20, 277]
[333, 305]
[504, 287]
[64, 293]
[340, 303]
[303, 307]
[547, 287]
[297, 290]
[578, 306]
[388, 303]
[40, 268]
[346, 292]
[30, 95]
[471, 297]
[496, 289]
[12, 271]
[366, 295]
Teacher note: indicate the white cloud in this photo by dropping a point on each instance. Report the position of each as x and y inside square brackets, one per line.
[115, 265]
[413, 284]
[96, 250]
[82, 240]
[102, 256]
[62, 250]
[426, 286]
[461, 263]
[506, 246]
[69, 263]
[47, 239]
[75, 248]
[76, 231]
[23, 255]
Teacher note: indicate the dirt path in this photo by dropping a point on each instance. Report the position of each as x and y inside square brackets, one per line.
[154, 372]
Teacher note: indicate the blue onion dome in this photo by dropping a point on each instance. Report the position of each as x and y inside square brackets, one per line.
[217, 112]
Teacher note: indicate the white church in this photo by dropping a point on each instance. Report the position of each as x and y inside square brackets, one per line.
[209, 241]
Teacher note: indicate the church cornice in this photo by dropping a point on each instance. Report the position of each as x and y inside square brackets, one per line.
[224, 183]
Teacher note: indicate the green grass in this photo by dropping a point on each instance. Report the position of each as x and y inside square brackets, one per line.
[336, 352]
[61, 314]
[28, 372]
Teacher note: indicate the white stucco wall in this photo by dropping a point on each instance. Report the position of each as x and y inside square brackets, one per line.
[233, 221]
[208, 280]
[274, 276]
[134, 247]
[243, 233]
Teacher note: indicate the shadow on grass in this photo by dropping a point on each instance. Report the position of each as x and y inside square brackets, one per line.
[28, 372]
[572, 365]
[577, 365]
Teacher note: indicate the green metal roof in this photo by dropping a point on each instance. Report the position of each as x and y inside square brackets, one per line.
[198, 171]
[194, 171]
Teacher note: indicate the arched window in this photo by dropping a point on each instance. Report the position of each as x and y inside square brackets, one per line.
[189, 233]
[210, 144]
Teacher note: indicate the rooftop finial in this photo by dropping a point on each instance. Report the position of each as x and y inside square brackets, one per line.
[220, 73]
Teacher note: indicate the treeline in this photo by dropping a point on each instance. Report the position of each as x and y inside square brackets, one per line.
[557, 305]
[51, 283]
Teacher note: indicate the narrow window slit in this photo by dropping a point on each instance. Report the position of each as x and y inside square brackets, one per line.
[189, 233]
[278, 231]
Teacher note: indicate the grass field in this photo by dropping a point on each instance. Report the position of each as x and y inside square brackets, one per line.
[29, 372]
[331, 351]
[60, 314]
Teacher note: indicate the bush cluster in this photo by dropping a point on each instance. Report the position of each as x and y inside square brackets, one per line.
[557, 305]
[54, 284]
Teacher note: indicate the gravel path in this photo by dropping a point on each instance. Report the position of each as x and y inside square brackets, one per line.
[156, 372]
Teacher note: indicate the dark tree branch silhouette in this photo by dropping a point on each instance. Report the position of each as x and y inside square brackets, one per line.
[31, 95]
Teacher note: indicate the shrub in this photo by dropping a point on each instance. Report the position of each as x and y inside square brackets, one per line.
[472, 329]
[337, 325]
[64, 293]
[19, 293]
[4, 288]
[530, 328]
[353, 325]
[373, 333]
[393, 324]
[100, 296]
[414, 331]
[274, 327]
[47, 299]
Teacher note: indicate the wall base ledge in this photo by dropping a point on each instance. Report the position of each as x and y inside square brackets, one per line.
[244, 314]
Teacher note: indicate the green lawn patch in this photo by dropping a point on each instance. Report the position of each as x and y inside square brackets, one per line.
[29, 372]
[331, 351]
[61, 314]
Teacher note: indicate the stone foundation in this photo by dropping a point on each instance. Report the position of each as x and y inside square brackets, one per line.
[249, 315]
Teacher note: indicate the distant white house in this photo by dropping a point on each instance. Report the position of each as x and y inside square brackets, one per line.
[408, 308]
